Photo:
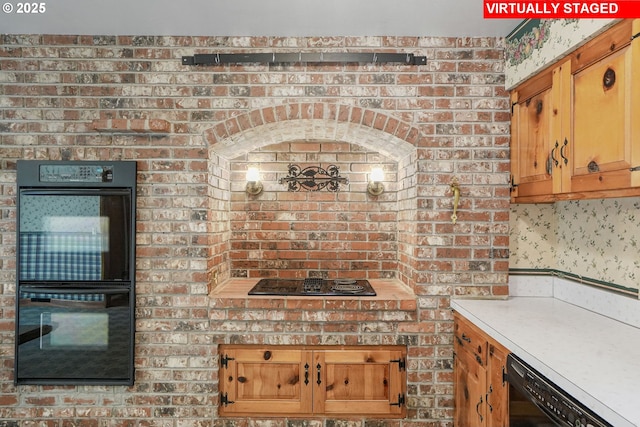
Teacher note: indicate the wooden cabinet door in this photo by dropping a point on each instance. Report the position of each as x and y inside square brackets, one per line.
[635, 105]
[365, 382]
[531, 138]
[561, 149]
[481, 395]
[602, 118]
[470, 385]
[265, 381]
[497, 388]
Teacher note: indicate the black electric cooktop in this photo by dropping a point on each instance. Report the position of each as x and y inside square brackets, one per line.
[313, 287]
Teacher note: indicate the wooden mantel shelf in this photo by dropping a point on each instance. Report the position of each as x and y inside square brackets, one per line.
[151, 126]
[392, 295]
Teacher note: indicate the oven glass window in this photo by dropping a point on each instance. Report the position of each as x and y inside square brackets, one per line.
[74, 334]
[74, 237]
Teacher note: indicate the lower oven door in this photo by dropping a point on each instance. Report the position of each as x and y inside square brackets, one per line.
[74, 335]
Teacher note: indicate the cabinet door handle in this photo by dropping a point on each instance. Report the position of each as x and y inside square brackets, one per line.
[306, 373]
[487, 397]
[553, 158]
[478, 409]
[466, 338]
[319, 378]
[566, 160]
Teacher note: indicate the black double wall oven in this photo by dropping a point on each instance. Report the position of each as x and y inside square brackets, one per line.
[75, 293]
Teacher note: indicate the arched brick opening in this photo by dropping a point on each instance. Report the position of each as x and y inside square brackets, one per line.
[372, 130]
[305, 121]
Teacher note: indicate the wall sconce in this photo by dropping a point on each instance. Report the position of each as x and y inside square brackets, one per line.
[375, 187]
[254, 186]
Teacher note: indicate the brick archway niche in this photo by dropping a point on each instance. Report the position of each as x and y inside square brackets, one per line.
[247, 136]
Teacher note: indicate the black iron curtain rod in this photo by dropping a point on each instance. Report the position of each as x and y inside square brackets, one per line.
[274, 58]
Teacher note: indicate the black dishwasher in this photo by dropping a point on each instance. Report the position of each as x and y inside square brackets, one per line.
[535, 401]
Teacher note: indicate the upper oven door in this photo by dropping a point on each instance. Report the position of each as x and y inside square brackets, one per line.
[67, 235]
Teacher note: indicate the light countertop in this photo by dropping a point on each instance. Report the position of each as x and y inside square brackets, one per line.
[594, 358]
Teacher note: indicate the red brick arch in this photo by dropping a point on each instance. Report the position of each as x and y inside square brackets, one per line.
[298, 121]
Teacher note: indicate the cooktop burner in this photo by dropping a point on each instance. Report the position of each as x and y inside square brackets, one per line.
[313, 287]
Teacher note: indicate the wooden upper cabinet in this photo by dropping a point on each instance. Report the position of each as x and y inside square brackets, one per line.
[531, 138]
[298, 381]
[603, 95]
[591, 147]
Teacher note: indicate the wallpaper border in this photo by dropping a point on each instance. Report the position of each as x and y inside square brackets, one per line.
[623, 290]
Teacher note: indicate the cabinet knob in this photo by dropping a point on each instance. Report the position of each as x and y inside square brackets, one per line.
[609, 78]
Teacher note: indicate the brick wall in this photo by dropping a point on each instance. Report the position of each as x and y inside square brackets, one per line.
[193, 130]
[313, 233]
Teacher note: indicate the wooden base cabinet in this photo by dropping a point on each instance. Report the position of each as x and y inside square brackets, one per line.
[481, 393]
[296, 381]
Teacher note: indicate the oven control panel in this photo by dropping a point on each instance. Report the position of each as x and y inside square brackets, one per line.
[76, 173]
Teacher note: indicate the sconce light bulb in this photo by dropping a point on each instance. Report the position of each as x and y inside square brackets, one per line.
[254, 186]
[377, 174]
[253, 174]
[375, 187]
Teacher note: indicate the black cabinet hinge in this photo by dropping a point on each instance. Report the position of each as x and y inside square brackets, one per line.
[513, 184]
[224, 361]
[402, 363]
[401, 400]
[224, 400]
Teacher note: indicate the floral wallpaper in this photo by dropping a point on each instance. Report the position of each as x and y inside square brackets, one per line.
[533, 239]
[537, 43]
[530, 37]
[595, 239]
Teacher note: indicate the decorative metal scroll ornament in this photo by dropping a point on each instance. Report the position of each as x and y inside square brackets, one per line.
[313, 178]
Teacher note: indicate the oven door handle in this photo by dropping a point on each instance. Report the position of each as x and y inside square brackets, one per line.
[45, 290]
[76, 191]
